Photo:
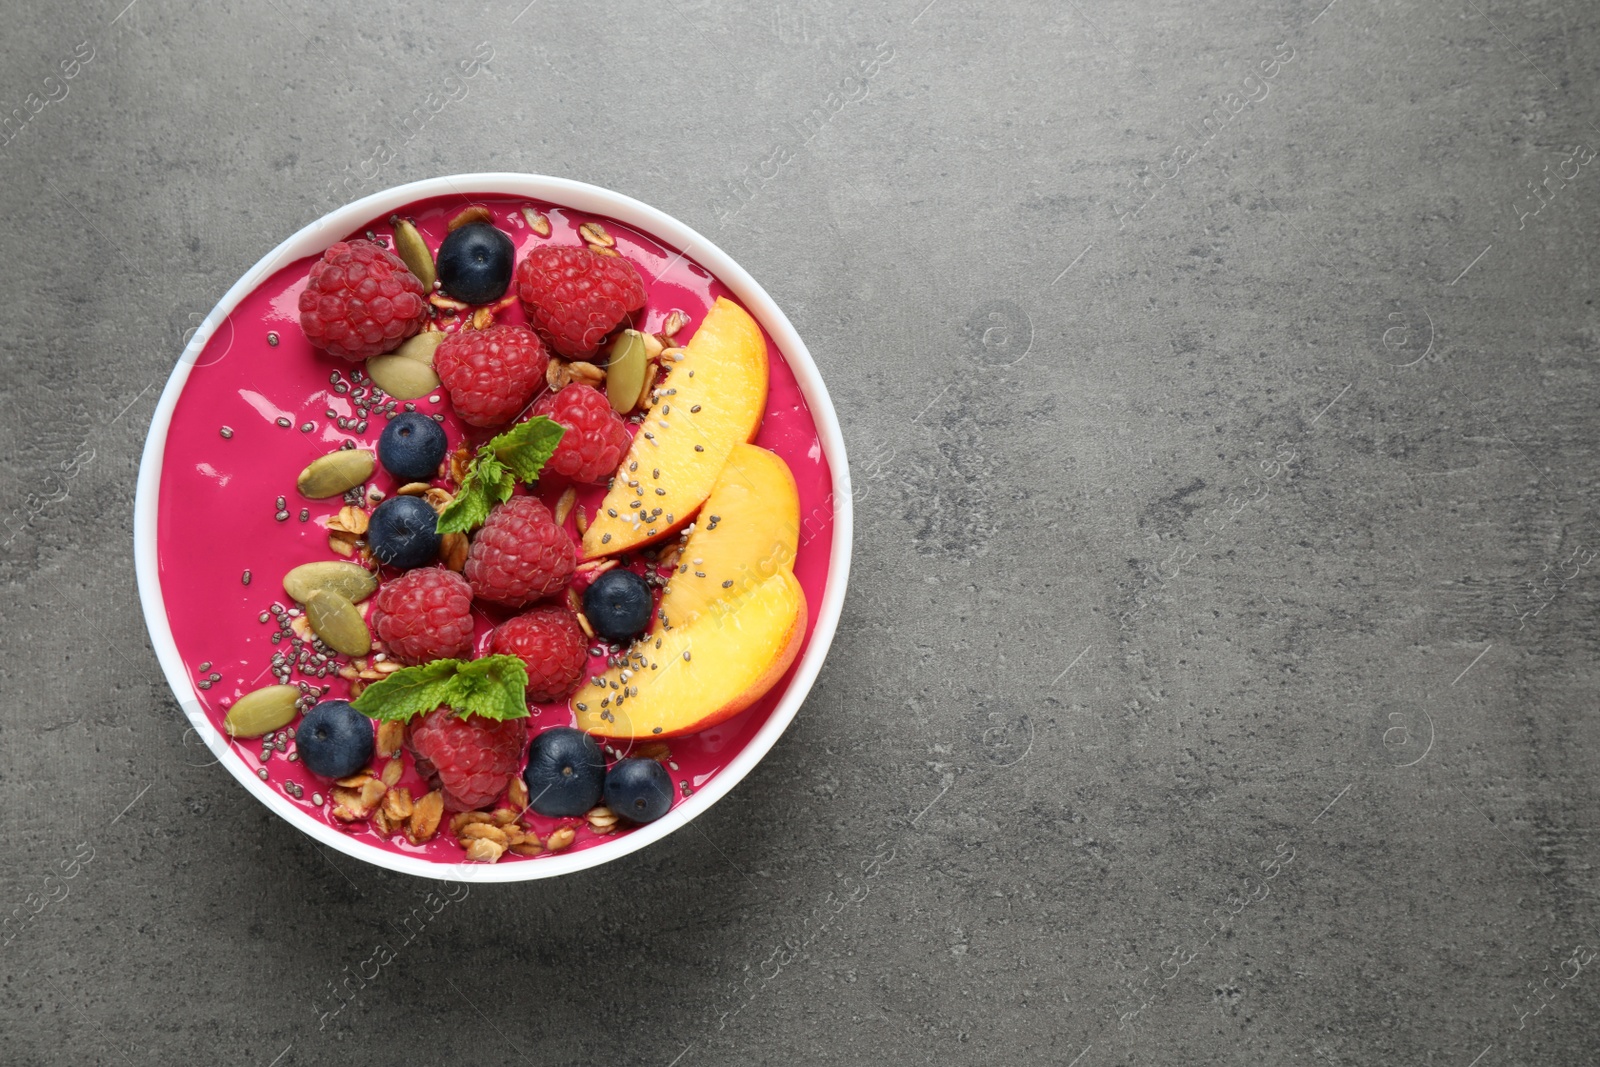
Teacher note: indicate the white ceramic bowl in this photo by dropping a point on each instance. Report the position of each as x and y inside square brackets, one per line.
[312, 240]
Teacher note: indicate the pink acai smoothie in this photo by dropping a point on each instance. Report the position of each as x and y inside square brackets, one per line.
[261, 403]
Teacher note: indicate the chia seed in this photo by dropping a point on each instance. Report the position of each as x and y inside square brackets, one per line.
[206, 666]
[284, 422]
[272, 338]
[307, 427]
[438, 418]
[316, 798]
[694, 409]
[245, 577]
[305, 514]
[728, 584]
[262, 774]
[433, 400]
[341, 388]
[282, 516]
[699, 448]
[226, 432]
[205, 685]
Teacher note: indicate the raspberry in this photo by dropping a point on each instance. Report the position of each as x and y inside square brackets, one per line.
[574, 296]
[493, 373]
[361, 301]
[425, 614]
[552, 644]
[472, 757]
[596, 437]
[520, 554]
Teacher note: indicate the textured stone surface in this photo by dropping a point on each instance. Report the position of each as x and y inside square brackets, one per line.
[1232, 547]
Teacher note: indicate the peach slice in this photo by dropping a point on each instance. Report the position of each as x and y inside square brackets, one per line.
[707, 670]
[731, 619]
[747, 532]
[711, 400]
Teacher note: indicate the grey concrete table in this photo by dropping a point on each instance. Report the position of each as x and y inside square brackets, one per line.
[1217, 683]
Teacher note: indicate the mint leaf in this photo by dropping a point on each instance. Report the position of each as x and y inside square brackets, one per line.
[494, 687]
[467, 512]
[486, 484]
[407, 692]
[498, 482]
[528, 446]
[519, 454]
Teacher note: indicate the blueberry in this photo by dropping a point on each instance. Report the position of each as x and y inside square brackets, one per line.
[334, 739]
[565, 772]
[412, 447]
[404, 532]
[475, 263]
[639, 790]
[618, 605]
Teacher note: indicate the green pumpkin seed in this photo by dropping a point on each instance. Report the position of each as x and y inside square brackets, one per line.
[337, 472]
[265, 709]
[625, 372]
[421, 346]
[341, 627]
[413, 251]
[353, 582]
[401, 376]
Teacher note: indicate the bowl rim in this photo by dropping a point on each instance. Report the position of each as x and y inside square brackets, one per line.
[313, 238]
